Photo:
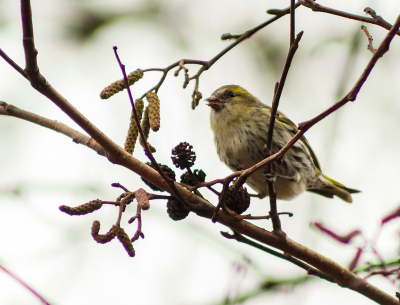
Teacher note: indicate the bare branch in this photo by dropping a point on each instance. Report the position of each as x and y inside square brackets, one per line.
[310, 270]
[13, 64]
[275, 103]
[292, 21]
[378, 20]
[76, 136]
[205, 65]
[352, 95]
[25, 285]
[370, 39]
[377, 266]
[391, 216]
[138, 232]
[31, 66]
[345, 239]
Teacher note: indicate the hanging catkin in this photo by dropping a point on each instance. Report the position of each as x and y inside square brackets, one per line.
[133, 131]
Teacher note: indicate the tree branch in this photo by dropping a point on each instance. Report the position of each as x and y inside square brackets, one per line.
[269, 286]
[352, 95]
[31, 66]
[13, 64]
[310, 270]
[25, 285]
[205, 65]
[377, 20]
[275, 103]
[76, 136]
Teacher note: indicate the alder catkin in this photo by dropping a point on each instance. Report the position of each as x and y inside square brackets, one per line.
[100, 238]
[119, 85]
[146, 130]
[145, 126]
[142, 199]
[126, 242]
[154, 110]
[133, 131]
[82, 209]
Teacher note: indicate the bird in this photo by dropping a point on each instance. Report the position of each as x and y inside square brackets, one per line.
[240, 123]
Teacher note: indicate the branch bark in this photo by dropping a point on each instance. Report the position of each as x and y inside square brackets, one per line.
[76, 136]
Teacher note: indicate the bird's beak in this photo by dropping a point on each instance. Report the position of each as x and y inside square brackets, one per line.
[214, 102]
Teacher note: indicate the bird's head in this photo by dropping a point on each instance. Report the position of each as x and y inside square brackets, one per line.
[231, 97]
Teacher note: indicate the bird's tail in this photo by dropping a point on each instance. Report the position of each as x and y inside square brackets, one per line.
[334, 188]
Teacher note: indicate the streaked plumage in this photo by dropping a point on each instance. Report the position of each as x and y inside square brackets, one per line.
[240, 125]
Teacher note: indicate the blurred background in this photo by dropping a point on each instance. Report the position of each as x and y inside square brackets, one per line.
[188, 262]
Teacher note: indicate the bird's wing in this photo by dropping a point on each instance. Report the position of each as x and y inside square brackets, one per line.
[291, 127]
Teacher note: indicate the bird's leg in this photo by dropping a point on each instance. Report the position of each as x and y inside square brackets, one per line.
[270, 177]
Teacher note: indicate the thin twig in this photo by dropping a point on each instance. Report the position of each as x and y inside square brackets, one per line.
[275, 103]
[166, 70]
[345, 239]
[195, 182]
[244, 36]
[28, 41]
[278, 92]
[270, 285]
[13, 64]
[292, 21]
[310, 270]
[221, 201]
[76, 136]
[138, 216]
[370, 39]
[111, 203]
[356, 259]
[118, 185]
[205, 65]
[377, 20]
[384, 273]
[31, 66]
[378, 265]
[391, 216]
[352, 95]
[122, 205]
[206, 184]
[25, 285]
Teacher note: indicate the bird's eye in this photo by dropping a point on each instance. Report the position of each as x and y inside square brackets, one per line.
[231, 94]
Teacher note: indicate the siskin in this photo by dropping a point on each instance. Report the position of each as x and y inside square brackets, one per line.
[240, 125]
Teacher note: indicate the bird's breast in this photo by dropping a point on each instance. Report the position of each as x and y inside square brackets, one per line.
[238, 144]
